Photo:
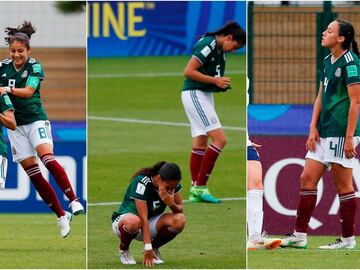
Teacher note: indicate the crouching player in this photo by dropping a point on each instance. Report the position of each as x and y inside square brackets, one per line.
[141, 215]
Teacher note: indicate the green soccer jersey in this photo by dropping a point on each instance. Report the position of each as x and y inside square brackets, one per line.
[5, 105]
[27, 110]
[142, 188]
[335, 100]
[212, 63]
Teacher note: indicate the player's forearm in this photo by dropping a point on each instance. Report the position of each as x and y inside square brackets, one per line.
[197, 76]
[316, 112]
[176, 208]
[145, 230]
[352, 119]
[22, 92]
[8, 121]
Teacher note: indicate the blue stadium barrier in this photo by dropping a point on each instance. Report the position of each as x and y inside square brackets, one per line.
[145, 28]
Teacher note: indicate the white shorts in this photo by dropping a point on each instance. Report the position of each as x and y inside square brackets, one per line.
[152, 225]
[3, 171]
[24, 139]
[199, 107]
[331, 150]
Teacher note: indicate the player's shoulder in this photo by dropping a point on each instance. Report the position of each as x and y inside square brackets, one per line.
[207, 41]
[351, 58]
[143, 179]
[33, 61]
[6, 62]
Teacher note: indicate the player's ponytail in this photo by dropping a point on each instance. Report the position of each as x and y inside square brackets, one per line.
[346, 30]
[22, 33]
[355, 48]
[232, 28]
[150, 171]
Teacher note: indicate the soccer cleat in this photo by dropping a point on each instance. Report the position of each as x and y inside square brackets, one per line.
[157, 257]
[339, 244]
[126, 258]
[64, 224]
[291, 240]
[202, 194]
[76, 207]
[262, 242]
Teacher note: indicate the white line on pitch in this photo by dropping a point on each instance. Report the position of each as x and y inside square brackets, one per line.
[150, 74]
[153, 122]
[185, 201]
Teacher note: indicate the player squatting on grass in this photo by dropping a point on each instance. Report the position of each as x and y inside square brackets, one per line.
[141, 214]
[204, 75]
[20, 79]
[333, 137]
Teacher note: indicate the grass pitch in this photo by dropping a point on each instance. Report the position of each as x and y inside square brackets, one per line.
[149, 88]
[310, 258]
[33, 241]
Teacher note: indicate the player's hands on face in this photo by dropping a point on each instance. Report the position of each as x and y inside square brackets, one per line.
[222, 82]
[148, 258]
[166, 197]
[349, 148]
[313, 138]
[256, 145]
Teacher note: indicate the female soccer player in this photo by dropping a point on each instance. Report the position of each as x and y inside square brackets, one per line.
[141, 215]
[254, 200]
[22, 76]
[204, 75]
[7, 119]
[333, 137]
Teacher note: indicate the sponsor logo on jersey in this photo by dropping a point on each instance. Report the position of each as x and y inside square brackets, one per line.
[140, 189]
[338, 72]
[214, 120]
[24, 74]
[206, 51]
[13, 150]
[4, 75]
[156, 205]
[212, 59]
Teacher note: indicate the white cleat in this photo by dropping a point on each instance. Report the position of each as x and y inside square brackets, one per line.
[64, 224]
[292, 240]
[76, 208]
[262, 242]
[126, 258]
[340, 244]
[157, 257]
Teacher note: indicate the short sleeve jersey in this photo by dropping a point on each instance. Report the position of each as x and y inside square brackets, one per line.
[5, 105]
[27, 110]
[142, 188]
[212, 64]
[335, 99]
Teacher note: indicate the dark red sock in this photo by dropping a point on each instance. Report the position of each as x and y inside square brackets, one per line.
[44, 189]
[59, 174]
[347, 213]
[195, 163]
[305, 209]
[207, 164]
[164, 236]
[126, 237]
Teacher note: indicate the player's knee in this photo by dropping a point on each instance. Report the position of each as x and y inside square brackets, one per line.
[307, 181]
[132, 223]
[179, 222]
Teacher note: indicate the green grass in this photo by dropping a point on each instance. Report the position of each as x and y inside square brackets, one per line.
[310, 258]
[33, 241]
[215, 234]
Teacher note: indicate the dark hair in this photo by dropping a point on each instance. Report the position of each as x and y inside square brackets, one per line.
[22, 33]
[232, 28]
[166, 170]
[346, 30]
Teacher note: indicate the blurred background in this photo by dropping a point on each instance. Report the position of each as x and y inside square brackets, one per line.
[137, 53]
[60, 45]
